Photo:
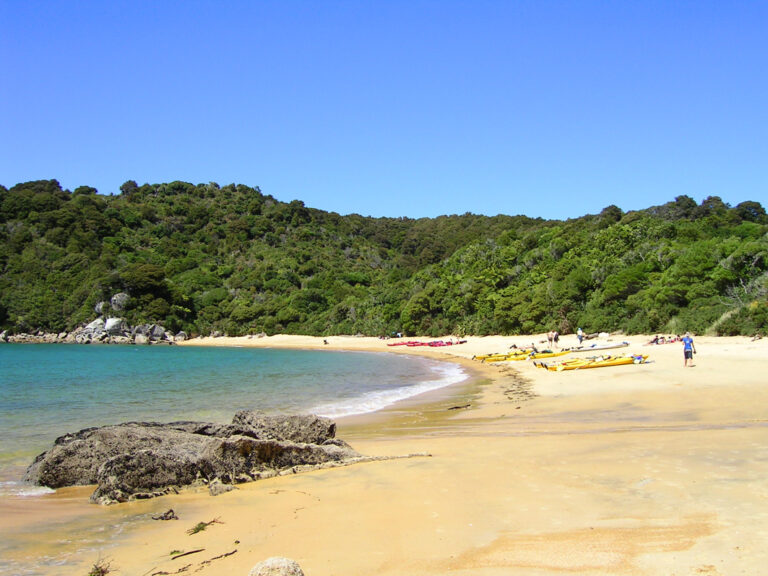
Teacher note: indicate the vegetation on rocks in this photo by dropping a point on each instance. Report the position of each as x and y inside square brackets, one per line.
[207, 258]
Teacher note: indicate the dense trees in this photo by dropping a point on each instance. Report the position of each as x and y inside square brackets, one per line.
[206, 257]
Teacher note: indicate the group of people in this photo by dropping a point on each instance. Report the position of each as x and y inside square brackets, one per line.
[664, 339]
[688, 347]
[553, 338]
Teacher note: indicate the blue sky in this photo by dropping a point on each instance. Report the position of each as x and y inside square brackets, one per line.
[415, 108]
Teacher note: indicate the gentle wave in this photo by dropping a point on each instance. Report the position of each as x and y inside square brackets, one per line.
[23, 490]
[446, 375]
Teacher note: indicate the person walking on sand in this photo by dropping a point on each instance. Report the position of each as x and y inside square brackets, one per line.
[688, 350]
[580, 334]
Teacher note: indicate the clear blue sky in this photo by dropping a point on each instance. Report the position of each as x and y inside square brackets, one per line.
[415, 108]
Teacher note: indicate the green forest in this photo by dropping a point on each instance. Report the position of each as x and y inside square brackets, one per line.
[207, 258]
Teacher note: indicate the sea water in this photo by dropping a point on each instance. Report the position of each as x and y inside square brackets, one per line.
[50, 390]
[47, 390]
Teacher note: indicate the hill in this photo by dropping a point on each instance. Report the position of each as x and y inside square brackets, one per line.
[205, 258]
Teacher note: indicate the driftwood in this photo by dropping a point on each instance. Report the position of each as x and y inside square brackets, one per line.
[187, 553]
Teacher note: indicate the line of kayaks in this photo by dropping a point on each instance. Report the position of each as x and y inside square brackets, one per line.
[593, 362]
[520, 354]
[432, 343]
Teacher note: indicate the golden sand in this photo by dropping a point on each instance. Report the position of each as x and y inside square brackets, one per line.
[640, 470]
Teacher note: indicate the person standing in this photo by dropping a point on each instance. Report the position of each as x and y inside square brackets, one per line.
[688, 349]
[580, 334]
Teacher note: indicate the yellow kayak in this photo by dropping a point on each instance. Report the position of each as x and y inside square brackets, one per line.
[597, 362]
[519, 355]
[548, 354]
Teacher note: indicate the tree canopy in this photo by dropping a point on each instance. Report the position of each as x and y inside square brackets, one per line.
[207, 258]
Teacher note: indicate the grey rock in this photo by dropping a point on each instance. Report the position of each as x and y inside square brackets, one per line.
[115, 326]
[277, 566]
[217, 488]
[142, 329]
[76, 459]
[94, 328]
[157, 332]
[146, 459]
[119, 301]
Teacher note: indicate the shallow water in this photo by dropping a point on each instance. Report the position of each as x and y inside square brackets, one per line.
[50, 390]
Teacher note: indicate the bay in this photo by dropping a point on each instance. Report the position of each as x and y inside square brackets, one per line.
[50, 390]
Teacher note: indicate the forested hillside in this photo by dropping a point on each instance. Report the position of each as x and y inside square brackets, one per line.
[206, 258]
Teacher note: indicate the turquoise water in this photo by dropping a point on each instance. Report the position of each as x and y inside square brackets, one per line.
[50, 390]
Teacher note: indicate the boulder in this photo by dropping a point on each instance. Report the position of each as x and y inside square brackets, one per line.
[115, 326]
[276, 566]
[145, 459]
[157, 332]
[94, 329]
[76, 459]
[119, 301]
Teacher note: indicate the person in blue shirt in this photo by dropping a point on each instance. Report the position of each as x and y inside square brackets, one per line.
[688, 349]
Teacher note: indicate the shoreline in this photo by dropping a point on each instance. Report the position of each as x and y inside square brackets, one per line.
[642, 469]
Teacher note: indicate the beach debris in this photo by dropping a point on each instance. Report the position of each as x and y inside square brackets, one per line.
[219, 557]
[277, 566]
[200, 526]
[200, 566]
[179, 571]
[100, 568]
[167, 515]
[179, 555]
[462, 407]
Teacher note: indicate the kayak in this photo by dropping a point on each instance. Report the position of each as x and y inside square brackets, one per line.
[548, 354]
[503, 356]
[597, 362]
[519, 355]
[596, 347]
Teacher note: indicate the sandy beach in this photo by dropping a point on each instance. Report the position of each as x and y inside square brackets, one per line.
[638, 470]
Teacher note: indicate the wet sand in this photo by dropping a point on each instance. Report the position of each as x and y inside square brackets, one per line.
[641, 469]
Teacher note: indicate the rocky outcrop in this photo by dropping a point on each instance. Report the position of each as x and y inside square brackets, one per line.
[102, 331]
[145, 459]
[108, 328]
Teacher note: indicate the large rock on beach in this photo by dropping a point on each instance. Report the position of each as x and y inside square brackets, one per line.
[146, 459]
